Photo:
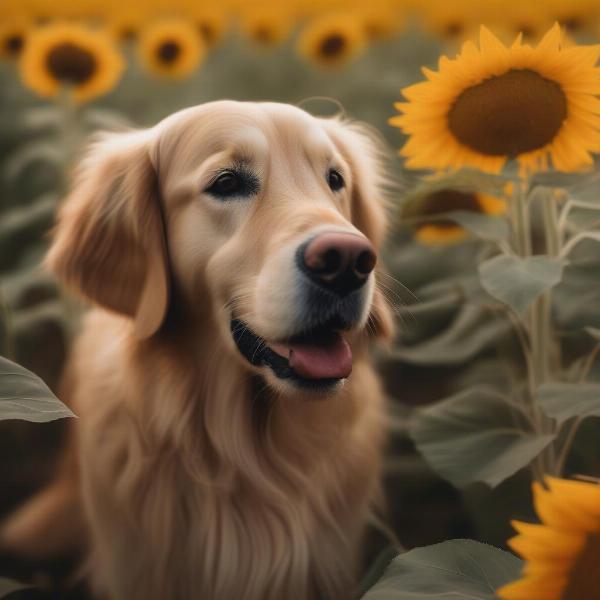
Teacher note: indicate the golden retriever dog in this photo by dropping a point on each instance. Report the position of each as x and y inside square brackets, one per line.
[230, 427]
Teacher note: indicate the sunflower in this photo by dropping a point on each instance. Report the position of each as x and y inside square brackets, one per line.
[438, 202]
[73, 57]
[126, 24]
[524, 17]
[562, 552]
[576, 16]
[333, 39]
[211, 23]
[494, 103]
[171, 48]
[381, 20]
[451, 21]
[12, 38]
[266, 24]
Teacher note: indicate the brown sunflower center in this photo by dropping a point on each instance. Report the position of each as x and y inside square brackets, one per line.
[583, 578]
[447, 200]
[14, 44]
[509, 114]
[453, 29]
[207, 31]
[573, 23]
[263, 34]
[128, 33]
[70, 63]
[168, 52]
[333, 45]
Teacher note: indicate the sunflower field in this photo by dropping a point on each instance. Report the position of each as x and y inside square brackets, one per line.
[491, 113]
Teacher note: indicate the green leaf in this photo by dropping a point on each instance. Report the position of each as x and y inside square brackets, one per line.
[483, 226]
[519, 281]
[32, 153]
[562, 401]
[8, 586]
[474, 436]
[454, 570]
[24, 395]
[472, 331]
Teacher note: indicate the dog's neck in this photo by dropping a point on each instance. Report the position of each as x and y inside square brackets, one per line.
[231, 427]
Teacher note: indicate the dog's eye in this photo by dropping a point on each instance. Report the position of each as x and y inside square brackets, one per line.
[335, 180]
[233, 183]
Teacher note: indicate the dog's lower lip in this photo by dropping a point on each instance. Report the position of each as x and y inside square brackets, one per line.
[318, 358]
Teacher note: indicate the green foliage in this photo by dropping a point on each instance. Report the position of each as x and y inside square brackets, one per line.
[520, 297]
[484, 227]
[23, 395]
[456, 569]
[563, 401]
[477, 435]
[519, 281]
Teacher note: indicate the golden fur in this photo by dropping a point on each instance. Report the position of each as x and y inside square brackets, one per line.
[201, 476]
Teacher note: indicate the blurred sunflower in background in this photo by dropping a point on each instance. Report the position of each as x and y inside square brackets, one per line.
[493, 104]
[12, 38]
[452, 21]
[332, 40]
[125, 23]
[563, 552]
[212, 23]
[265, 24]
[381, 20]
[72, 57]
[171, 48]
[436, 203]
[576, 16]
[524, 17]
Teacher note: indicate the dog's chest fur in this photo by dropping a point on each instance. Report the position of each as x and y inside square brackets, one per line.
[204, 507]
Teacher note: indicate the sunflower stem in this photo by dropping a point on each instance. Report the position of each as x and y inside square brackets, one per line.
[71, 130]
[538, 322]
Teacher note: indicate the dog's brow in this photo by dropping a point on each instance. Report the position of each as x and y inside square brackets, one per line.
[249, 145]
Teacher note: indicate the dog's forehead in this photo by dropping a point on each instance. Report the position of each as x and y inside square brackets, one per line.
[253, 128]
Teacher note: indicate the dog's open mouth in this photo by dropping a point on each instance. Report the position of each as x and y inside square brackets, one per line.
[316, 358]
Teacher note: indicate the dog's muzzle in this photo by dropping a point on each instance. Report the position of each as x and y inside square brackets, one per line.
[333, 269]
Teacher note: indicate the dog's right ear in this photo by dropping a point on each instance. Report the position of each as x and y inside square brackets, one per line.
[109, 243]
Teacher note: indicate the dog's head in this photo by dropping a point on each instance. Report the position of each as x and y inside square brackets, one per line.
[260, 221]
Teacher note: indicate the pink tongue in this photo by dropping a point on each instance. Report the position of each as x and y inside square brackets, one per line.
[330, 359]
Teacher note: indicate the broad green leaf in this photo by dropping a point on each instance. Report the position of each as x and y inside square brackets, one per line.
[475, 437]
[24, 395]
[473, 330]
[562, 401]
[483, 226]
[453, 570]
[519, 281]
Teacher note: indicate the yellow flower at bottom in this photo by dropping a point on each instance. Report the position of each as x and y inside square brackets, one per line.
[171, 48]
[70, 56]
[440, 231]
[561, 553]
[493, 104]
[332, 40]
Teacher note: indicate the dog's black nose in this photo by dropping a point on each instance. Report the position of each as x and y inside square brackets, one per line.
[340, 262]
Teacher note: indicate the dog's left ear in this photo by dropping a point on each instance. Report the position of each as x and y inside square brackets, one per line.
[365, 155]
[109, 243]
